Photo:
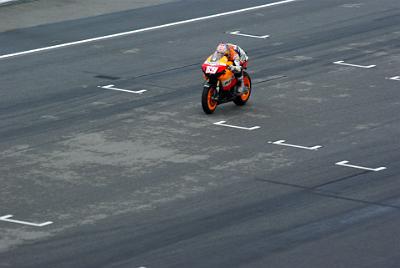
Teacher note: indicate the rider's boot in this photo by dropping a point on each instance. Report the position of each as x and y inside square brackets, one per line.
[241, 88]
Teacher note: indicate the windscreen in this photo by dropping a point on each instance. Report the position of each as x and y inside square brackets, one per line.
[216, 56]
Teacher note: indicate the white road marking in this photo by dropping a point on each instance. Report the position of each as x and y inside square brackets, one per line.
[7, 218]
[222, 123]
[344, 163]
[281, 142]
[352, 5]
[354, 65]
[249, 35]
[146, 29]
[397, 78]
[124, 90]
[5, 1]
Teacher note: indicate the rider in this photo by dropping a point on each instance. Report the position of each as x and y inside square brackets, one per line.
[239, 58]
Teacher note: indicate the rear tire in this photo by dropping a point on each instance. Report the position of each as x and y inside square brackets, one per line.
[209, 105]
[243, 98]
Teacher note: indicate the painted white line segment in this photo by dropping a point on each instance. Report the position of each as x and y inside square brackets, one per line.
[397, 78]
[146, 29]
[281, 142]
[124, 90]
[6, 1]
[7, 219]
[222, 123]
[249, 35]
[344, 164]
[354, 65]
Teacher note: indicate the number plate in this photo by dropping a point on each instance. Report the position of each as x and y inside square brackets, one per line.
[211, 69]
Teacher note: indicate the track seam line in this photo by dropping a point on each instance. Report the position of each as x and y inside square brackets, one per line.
[312, 190]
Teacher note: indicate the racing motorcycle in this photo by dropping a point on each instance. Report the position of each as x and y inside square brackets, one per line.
[221, 84]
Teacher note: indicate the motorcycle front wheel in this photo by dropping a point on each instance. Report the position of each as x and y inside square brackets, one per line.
[208, 102]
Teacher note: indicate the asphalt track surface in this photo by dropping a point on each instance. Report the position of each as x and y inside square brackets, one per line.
[148, 180]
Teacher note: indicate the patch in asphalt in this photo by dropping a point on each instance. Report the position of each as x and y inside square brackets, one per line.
[109, 77]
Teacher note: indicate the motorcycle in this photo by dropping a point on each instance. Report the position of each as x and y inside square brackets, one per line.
[221, 84]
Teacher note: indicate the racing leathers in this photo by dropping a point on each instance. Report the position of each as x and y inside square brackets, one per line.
[239, 58]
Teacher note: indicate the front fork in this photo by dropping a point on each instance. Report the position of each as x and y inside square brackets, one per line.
[208, 84]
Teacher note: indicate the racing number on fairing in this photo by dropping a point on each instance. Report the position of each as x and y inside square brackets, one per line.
[211, 69]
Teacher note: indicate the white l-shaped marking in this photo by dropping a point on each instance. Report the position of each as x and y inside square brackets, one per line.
[344, 163]
[222, 123]
[7, 218]
[249, 35]
[146, 29]
[124, 90]
[354, 65]
[281, 142]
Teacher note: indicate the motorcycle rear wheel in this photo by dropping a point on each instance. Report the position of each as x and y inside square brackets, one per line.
[207, 102]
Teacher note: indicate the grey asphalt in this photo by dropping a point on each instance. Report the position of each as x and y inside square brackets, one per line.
[149, 181]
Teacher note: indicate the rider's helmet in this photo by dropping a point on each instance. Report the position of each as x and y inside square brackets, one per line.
[222, 49]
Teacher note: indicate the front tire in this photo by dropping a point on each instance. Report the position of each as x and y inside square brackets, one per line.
[243, 98]
[208, 102]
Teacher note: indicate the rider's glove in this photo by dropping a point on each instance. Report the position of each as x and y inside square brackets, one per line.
[235, 69]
